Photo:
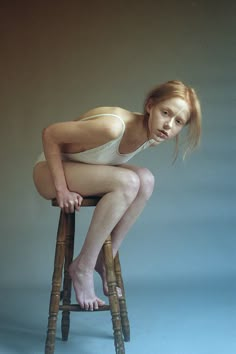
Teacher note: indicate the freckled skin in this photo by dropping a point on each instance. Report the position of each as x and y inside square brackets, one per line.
[170, 116]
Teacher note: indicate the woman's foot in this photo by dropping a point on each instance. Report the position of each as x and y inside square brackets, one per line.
[84, 287]
[101, 270]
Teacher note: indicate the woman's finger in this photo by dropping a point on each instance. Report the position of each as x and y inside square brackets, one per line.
[66, 208]
[77, 206]
[71, 206]
[80, 199]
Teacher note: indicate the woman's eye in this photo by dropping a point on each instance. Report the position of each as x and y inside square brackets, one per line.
[179, 121]
[165, 113]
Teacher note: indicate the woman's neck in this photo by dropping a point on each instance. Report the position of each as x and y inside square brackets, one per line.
[137, 128]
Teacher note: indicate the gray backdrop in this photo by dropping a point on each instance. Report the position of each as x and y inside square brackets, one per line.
[59, 59]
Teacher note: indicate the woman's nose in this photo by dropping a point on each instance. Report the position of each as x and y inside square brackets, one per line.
[169, 123]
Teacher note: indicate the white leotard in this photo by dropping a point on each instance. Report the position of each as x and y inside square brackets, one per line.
[106, 154]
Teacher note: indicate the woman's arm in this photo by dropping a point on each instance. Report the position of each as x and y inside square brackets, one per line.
[86, 134]
[52, 151]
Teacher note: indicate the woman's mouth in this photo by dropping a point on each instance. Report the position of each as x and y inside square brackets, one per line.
[162, 134]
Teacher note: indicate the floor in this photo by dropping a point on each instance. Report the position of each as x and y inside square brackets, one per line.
[183, 318]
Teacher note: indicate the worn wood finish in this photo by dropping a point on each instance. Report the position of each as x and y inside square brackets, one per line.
[76, 307]
[56, 285]
[113, 297]
[122, 299]
[63, 257]
[69, 251]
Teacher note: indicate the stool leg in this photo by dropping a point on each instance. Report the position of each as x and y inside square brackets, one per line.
[113, 298]
[122, 300]
[69, 251]
[56, 285]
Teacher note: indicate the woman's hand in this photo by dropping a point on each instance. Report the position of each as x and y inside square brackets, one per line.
[69, 201]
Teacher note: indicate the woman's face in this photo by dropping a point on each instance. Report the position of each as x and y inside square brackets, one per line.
[167, 118]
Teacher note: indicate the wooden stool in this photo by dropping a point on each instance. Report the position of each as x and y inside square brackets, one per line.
[63, 258]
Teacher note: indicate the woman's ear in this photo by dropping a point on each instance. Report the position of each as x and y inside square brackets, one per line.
[149, 105]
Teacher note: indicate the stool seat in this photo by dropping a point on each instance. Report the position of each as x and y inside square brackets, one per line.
[86, 202]
[60, 299]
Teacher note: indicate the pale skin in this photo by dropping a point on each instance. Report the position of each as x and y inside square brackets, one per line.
[125, 189]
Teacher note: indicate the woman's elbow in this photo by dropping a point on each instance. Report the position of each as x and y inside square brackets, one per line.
[46, 134]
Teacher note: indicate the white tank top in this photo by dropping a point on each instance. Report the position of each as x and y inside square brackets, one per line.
[106, 154]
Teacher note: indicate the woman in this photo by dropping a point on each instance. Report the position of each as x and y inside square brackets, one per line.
[88, 157]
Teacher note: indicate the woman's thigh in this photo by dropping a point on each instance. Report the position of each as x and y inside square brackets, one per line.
[84, 179]
[134, 168]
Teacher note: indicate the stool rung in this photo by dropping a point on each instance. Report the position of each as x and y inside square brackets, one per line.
[76, 307]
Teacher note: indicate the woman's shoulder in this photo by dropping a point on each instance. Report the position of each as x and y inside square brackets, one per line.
[105, 111]
[108, 120]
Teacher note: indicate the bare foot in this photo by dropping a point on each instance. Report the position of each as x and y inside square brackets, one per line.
[84, 287]
[101, 270]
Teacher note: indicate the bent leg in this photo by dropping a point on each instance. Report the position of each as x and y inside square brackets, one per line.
[147, 182]
[119, 187]
[128, 219]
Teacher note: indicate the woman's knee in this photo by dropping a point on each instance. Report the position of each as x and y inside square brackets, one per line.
[129, 183]
[147, 182]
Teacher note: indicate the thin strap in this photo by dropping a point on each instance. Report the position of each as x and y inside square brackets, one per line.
[103, 114]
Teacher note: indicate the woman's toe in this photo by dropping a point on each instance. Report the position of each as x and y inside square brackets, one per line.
[81, 304]
[91, 306]
[100, 302]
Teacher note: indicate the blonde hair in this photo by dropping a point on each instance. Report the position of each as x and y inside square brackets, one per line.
[177, 88]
